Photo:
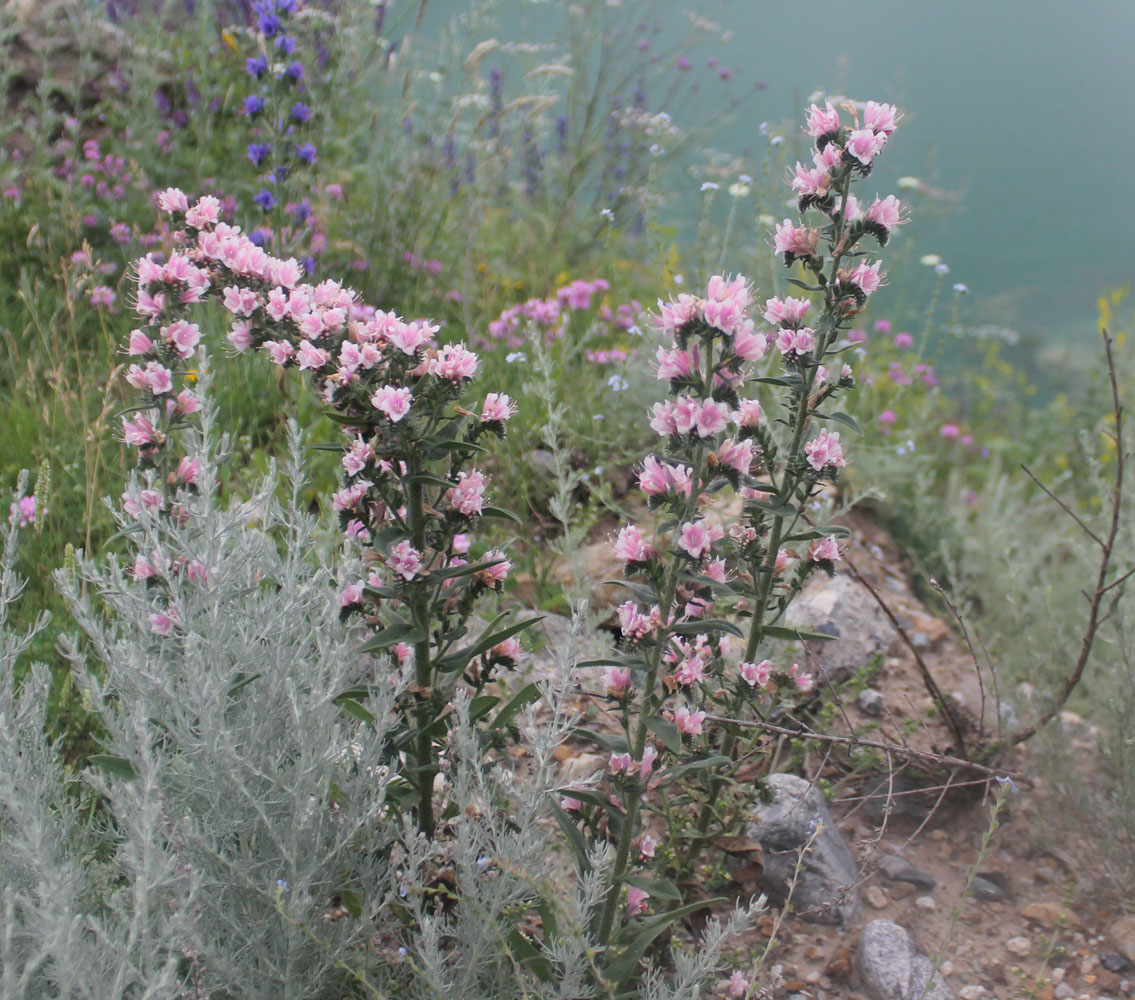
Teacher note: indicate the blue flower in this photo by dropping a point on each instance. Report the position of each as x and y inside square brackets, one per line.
[268, 24]
[306, 152]
[257, 66]
[286, 44]
[265, 199]
[300, 112]
[294, 72]
[253, 105]
[281, 884]
[258, 152]
[285, 6]
[308, 264]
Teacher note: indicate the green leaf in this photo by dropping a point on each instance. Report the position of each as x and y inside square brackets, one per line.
[482, 706]
[400, 632]
[429, 479]
[352, 707]
[352, 901]
[624, 966]
[329, 446]
[803, 284]
[529, 955]
[705, 625]
[609, 661]
[666, 731]
[501, 514]
[840, 418]
[457, 661]
[242, 680]
[524, 697]
[658, 888]
[453, 572]
[576, 840]
[118, 767]
[793, 634]
[694, 765]
[451, 445]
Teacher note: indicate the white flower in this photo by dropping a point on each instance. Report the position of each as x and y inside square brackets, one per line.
[709, 186]
[930, 260]
[617, 382]
[516, 356]
[961, 289]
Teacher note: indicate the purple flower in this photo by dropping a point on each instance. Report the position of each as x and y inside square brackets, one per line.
[268, 24]
[306, 152]
[295, 71]
[265, 199]
[300, 112]
[253, 105]
[258, 152]
[257, 66]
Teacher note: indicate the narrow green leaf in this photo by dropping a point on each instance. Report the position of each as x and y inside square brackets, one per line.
[624, 966]
[840, 418]
[457, 661]
[501, 514]
[524, 697]
[705, 625]
[401, 632]
[242, 680]
[702, 764]
[666, 731]
[352, 707]
[451, 445]
[658, 888]
[482, 706]
[793, 634]
[575, 837]
[119, 767]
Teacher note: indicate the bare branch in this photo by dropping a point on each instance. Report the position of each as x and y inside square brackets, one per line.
[1062, 505]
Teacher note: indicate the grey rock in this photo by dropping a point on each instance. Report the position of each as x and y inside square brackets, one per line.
[1116, 963]
[892, 968]
[786, 825]
[870, 701]
[893, 796]
[840, 607]
[986, 889]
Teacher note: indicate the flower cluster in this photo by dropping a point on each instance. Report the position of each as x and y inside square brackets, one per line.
[552, 314]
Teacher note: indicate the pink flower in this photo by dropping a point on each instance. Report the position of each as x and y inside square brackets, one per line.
[497, 573]
[736, 455]
[102, 296]
[570, 804]
[803, 682]
[748, 413]
[865, 144]
[139, 432]
[351, 594]
[620, 762]
[795, 342]
[784, 559]
[240, 336]
[824, 451]
[886, 213]
[786, 312]
[461, 544]
[756, 675]
[886, 418]
[405, 560]
[173, 200]
[697, 537]
[688, 723]
[712, 418]
[618, 681]
[880, 117]
[636, 900]
[675, 363]
[824, 550]
[738, 984]
[675, 314]
[662, 419]
[393, 401]
[810, 182]
[793, 241]
[188, 470]
[454, 362]
[409, 337]
[950, 432]
[183, 337]
[646, 765]
[165, 623]
[646, 846]
[22, 512]
[498, 408]
[631, 548]
[468, 496]
[139, 343]
[310, 357]
[822, 122]
[867, 277]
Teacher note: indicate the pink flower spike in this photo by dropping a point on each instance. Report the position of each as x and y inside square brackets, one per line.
[738, 984]
[712, 418]
[620, 762]
[405, 560]
[631, 548]
[823, 121]
[498, 408]
[688, 723]
[756, 675]
[824, 550]
[865, 144]
[824, 451]
[646, 765]
[618, 680]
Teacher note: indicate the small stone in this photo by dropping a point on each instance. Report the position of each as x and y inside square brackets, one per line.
[926, 903]
[876, 897]
[1048, 913]
[1063, 992]
[971, 992]
[1019, 946]
[813, 976]
[946, 967]
[870, 701]
[986, 889]
[1115, 963]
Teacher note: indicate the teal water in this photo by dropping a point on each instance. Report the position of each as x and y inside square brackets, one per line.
[1024, 107]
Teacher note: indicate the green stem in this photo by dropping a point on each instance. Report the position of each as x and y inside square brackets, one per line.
[423, 668]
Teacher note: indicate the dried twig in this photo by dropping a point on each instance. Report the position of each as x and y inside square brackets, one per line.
[931, 685]
[1095, 619]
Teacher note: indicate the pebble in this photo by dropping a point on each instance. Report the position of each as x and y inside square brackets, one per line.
[870, 701]
[1019, 946]
[986, 889]
[926, 903]
[876, 897]
[1063, 992]
[971, 992]
[1115, 963]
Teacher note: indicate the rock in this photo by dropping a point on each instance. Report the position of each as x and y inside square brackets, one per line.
[1019, 946]
[971, 992]
[839, 606]
[1122, 934]
[897, 870]
[892, 796]
[870, 701]
[986, 889]
[823, 892]
[876, 897]
[1115, 963]
[926, 903]
[892, 968]
[1048, 913]
[1063, 992]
